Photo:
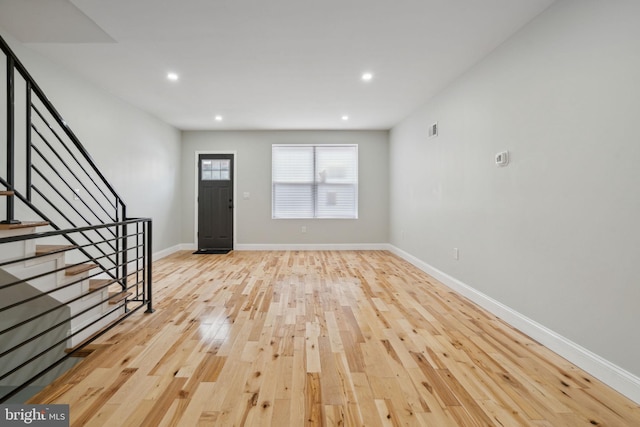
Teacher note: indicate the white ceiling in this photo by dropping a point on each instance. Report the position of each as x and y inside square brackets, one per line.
[269, 64]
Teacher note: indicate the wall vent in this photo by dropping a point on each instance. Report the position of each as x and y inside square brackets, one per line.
[433, 130]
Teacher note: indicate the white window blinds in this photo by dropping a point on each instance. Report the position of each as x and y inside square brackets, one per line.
[314, 181]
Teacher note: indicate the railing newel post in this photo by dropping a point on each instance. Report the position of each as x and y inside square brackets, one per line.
[10, 218]
[149, 262]
[28, 141]
[125, 247]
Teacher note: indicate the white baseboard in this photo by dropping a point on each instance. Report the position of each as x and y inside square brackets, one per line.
[168, 251]
[607, 372]
[312, 247]
[188, 247]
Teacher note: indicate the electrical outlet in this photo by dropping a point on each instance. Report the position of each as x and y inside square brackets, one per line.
[303, 229]
[456, 254]
[76, 194]
[433, 130]
[502, 158]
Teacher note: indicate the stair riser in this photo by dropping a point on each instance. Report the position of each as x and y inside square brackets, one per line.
[16, 250]
[45, 283]
[88, 301]
[88, 317]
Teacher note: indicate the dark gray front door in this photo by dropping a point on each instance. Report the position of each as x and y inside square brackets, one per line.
[215, 201]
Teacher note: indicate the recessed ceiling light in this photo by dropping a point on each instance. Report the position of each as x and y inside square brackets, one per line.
[367, 77]
[345, 117]
[172, 76]
[218, 118]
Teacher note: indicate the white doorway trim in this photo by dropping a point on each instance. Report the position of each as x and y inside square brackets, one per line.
[195, 192]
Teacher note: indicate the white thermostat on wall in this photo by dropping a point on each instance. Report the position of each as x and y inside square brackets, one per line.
[502, 158]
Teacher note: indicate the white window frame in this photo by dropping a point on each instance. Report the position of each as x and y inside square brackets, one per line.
[316, 182]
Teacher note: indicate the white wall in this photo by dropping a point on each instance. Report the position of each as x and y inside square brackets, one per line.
[254, 225]
[138, 153]
[555, 235]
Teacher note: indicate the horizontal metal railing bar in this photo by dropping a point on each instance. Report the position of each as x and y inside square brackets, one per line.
[51, 291]
[132, 262]
[70, 248]
[57, 270]
[42, 294]
[43, 234]
[39, 276]
[54, 113]
[55, 188]
[68, 151]
[42, 255]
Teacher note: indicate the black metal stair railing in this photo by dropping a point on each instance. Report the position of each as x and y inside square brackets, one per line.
[61, 182]
[50, 177]
[27, 348]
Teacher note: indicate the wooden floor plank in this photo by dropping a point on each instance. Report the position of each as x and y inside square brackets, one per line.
[292, 338]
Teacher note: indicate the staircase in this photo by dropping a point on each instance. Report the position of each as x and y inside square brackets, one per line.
[72, 264]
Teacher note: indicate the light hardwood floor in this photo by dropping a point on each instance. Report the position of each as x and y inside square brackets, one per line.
[353, 338]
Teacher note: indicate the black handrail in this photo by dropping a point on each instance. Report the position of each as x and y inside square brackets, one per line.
[43, 234]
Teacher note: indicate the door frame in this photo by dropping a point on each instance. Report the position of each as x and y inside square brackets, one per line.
[196, 190]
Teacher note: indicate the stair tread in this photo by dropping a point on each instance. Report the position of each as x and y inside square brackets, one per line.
[45, 249]
[6, 193]
[119, 296]
[23, 224]
[79, 269]
[97, 283]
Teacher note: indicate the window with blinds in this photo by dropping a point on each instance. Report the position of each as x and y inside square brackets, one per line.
[314, 181]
